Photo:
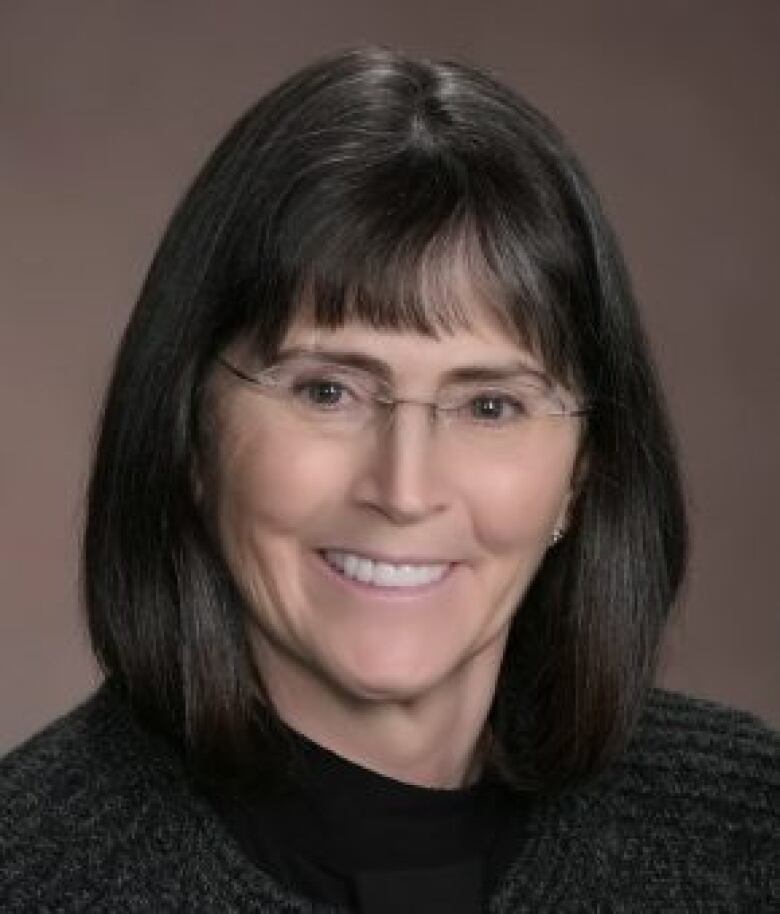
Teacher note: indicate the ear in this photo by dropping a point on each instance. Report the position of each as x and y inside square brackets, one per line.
[562, 520]
[196, 480]
[202, 455]
[578, 477]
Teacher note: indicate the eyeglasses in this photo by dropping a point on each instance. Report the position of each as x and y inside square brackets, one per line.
[341, 401]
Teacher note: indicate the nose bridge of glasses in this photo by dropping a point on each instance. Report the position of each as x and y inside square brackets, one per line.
[388, 404]
[407, 434]
[405, 463]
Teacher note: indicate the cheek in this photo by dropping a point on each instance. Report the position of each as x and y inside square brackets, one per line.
[517, 509]
[271, 486]
[272, 497]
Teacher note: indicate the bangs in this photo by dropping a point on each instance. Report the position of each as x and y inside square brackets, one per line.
[401, 220]
[432, 280]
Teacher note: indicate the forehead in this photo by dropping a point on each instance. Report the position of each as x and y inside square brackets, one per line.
[410, 352]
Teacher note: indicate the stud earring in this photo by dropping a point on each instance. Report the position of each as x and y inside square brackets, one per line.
[557, 536]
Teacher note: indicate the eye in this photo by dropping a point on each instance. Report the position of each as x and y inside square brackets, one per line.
[494, 407]
[321, 392]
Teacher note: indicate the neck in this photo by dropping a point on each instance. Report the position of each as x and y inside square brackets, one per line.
[434, 739]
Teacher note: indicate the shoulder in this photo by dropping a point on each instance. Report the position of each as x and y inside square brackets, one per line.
[66, 765]
[687, 819]
[95, 750]
[100, 813]
[688, 747]
[72, 797]
[696, 799]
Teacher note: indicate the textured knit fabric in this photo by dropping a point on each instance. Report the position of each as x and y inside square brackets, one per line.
[99, 816]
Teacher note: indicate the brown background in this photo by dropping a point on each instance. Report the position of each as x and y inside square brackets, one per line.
[106, 110]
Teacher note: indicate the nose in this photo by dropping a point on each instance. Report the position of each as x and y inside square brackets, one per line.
[403, 472]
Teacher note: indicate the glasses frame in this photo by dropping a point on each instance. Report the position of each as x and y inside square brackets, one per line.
[263, 381]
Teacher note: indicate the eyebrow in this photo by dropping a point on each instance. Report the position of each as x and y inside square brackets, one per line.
[373, 365]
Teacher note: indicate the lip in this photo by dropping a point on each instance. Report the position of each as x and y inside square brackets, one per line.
[387, 593]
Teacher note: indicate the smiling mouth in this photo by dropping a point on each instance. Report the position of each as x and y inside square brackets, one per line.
[360, 568]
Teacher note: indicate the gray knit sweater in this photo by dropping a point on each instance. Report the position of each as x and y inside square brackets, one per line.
[97, 815]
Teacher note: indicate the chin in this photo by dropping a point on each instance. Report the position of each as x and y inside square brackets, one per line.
[395, 678]
[387, 692]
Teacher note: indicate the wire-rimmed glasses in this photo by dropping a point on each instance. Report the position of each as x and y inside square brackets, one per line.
[334, 400]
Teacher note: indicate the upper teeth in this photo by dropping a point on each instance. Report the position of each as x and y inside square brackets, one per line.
[383, 574]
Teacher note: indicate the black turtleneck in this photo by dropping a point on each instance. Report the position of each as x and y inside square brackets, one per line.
[347, 835]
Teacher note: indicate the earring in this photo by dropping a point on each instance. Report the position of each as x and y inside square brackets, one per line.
[557, 536]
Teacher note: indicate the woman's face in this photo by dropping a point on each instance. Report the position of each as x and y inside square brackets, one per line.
[292, 502]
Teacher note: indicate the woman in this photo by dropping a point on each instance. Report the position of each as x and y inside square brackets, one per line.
[383, 530]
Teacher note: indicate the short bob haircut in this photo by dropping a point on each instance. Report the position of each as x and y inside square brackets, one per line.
[357, 186]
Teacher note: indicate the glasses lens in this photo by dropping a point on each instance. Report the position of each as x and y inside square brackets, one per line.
[333, 400]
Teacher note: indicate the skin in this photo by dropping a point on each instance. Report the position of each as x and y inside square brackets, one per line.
[399, 684]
